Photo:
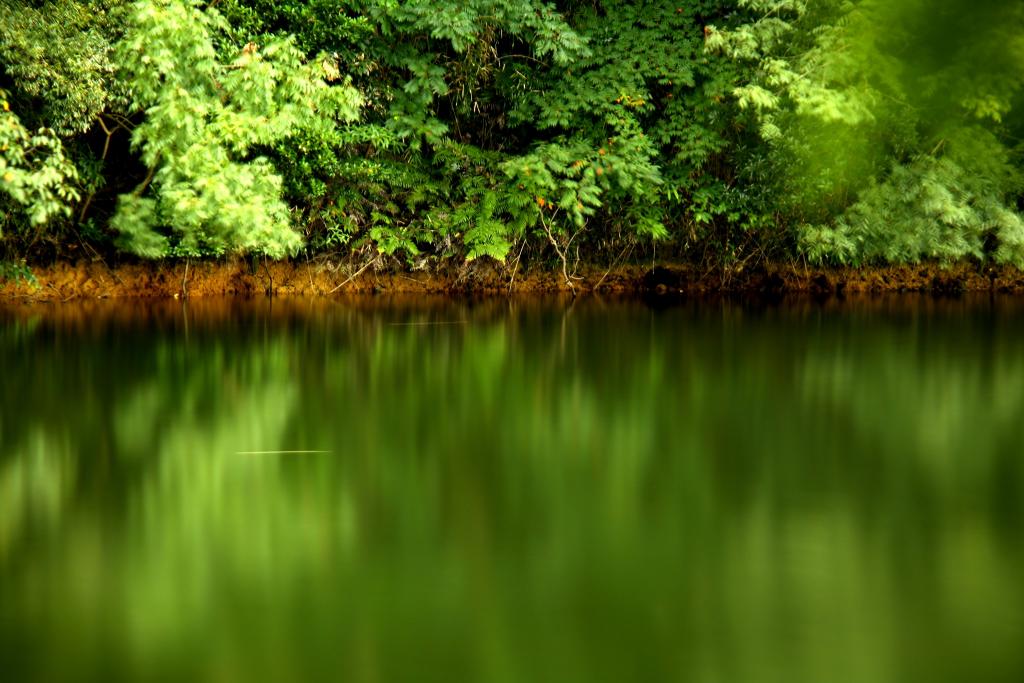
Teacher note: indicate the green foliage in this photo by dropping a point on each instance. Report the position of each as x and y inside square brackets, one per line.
[58, 76]
[851, 131]
[571, 176]
[59, 56]
[932, 207]
[17, 271]
[202, 118]
[477, 208]
[891, 124]
[648, 85]
[417, 173]
[34, 171]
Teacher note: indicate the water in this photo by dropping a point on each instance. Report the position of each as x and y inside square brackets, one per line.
[513, 491]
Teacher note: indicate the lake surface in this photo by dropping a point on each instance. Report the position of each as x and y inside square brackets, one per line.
[513, 491]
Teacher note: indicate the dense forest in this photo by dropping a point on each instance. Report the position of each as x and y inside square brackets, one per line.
[427, 132]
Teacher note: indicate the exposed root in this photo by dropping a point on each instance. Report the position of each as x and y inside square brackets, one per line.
[356, 274]
[562, 252]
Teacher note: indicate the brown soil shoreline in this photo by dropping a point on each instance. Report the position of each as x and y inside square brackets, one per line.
[65, 281]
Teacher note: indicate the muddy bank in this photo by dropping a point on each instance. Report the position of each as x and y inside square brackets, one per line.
[98, 280]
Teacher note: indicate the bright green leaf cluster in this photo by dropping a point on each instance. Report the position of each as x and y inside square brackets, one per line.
[34, 171]
[891, 123]
[202, 118]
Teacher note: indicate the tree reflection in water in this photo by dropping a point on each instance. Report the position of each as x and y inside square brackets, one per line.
[529, 491]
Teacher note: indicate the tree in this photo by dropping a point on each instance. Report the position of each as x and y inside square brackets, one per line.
[203, 119]
[58, 74]
[892, 123]
[34, 171]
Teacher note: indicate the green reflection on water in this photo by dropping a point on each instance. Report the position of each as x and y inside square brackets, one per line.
[595, 492]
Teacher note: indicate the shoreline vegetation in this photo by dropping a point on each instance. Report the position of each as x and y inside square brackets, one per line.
[316, 146]
[65, 281]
